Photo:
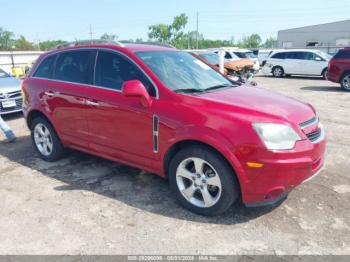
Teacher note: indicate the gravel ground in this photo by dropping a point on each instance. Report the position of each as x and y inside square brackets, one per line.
[86, 205]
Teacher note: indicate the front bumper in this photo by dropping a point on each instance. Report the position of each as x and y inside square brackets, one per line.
[333, 77]
[266, 70]
[18, 104]
[282, 172]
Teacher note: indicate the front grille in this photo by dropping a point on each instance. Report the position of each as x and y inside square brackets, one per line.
[311, 121]
[314, 136]
[11, 95]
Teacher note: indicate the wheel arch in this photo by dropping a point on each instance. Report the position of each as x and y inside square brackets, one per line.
[229, 158]
[34, 114]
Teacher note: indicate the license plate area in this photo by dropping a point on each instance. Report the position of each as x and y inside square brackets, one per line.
[8, 104]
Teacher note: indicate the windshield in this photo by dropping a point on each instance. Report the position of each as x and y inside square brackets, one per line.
[3, 74]
[245, 54]
[180, 71]
[211, 58]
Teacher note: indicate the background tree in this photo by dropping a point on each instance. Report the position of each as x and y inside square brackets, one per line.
[270, 42]
[23, 44]
[172, 33]
[47, 45]
[252, 41]
[6, 40]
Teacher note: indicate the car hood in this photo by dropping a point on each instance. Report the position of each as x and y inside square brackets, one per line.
[265, 104]
[9, 84]
[239, 64]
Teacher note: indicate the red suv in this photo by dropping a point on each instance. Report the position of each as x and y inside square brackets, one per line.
[164, 111]
[339, 68]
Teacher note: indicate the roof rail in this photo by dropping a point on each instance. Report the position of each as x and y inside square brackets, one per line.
[153, 43]
[87, 42]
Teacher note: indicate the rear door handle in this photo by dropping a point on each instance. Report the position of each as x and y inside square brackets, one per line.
[50, 94]
[92, 103]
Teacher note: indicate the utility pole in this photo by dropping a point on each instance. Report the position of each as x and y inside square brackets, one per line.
[90, 33]
[197, 32]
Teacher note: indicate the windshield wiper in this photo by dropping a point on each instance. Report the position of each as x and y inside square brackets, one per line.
[188, 90]
[218, 87]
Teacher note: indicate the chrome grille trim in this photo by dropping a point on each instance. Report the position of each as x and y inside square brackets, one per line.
[317, 136]
[11, 95]
[310, 122]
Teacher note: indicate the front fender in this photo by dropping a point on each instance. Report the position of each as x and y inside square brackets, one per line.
[211, 138]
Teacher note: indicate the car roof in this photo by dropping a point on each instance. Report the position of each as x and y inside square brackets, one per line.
[232, 49]
[295, 50]
[131, 47]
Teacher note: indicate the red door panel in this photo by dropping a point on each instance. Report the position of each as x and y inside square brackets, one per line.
[119, 125]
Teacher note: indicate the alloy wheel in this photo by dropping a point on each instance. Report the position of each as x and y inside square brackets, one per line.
[198, 182]
[43, 139]
[277, 72]
[346, 82]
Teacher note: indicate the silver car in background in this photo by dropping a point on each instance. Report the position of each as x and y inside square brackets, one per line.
[10, 94]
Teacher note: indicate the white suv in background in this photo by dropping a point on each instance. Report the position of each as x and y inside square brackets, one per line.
[234, 54]
[297, 62]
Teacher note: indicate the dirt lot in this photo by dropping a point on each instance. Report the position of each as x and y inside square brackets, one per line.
[86, 205]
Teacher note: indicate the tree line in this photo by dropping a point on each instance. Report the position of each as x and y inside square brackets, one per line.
[173, 34]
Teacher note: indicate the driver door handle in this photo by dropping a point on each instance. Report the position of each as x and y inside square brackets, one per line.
[92, 103]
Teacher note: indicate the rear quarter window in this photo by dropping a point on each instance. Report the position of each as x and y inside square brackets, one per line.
[45, 67]
[342, 54]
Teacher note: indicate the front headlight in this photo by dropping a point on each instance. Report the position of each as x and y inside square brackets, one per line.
[276, 136]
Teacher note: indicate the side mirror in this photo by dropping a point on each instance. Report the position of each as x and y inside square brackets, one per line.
[318, 58]
[134, 88]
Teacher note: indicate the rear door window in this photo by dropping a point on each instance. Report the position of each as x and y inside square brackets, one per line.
[75, 66]
[45, 68]
[113, 69]
[296, 55]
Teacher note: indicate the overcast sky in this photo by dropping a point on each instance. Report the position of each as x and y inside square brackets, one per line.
[70, 19]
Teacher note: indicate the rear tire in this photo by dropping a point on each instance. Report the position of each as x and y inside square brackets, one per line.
[345, 82]
[277, 71]
[46, 140]
[203, 181]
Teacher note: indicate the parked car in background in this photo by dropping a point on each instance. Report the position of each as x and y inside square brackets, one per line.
[248, 54]
[262, 55]
[234, 54]
[339, 68]
[210, 58]
[10, 94]
[164, 111]
[239, 70]
[297, 62]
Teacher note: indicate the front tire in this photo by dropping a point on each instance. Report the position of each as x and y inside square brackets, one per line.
[324, 74]
[277, 71]
[203, 181]
[45, 140]
[345, 82]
